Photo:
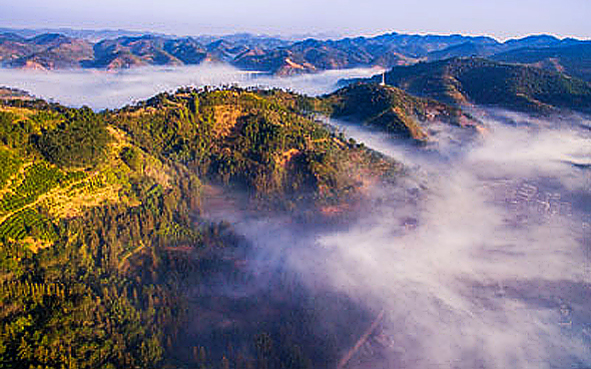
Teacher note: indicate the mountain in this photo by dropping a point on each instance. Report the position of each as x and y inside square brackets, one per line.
[129, 49]
[13, 46]
[466, 49]
[187, 50]
[392, 110]
[460, 81]
[127, 52]
[57, 52]
[90, 35]
[574, 59]
[222, 50]
[46, 51]
[488, 49]
[533, 41]
[53, 51]
[246, 39]
[104, 246]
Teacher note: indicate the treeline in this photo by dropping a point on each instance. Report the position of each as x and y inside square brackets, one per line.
[108, 292]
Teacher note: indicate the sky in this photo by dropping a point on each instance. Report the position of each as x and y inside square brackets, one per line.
[500, 18]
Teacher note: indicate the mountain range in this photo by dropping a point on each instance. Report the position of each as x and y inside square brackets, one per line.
[284, 57]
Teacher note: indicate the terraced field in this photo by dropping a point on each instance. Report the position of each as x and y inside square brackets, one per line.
[9, 165]
[27, 222]
[36, 180]
[22, 187]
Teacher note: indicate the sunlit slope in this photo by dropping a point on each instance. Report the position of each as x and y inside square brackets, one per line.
[75, 222]
[263, 141]
[59, 162]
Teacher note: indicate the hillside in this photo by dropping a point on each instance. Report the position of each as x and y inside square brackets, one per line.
[574, 60]
[277, 151]
[102, 233]
[7, 93]
[460, 81]
[392, 110]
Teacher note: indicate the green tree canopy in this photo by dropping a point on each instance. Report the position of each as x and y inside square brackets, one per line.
[81, 140]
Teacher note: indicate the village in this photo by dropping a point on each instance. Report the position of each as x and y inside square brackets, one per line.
[527, 199]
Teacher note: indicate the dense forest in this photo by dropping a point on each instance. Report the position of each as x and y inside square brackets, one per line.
[103, 234]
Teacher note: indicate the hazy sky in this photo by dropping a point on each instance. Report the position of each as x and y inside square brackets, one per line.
[499, 18]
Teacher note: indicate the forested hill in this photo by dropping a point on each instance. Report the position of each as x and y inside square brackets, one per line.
[101, 226]
[478, 81]
[574, 60]
[392, 110]
[264, 141]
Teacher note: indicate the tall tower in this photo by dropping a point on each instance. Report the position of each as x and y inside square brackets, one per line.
[383, 82]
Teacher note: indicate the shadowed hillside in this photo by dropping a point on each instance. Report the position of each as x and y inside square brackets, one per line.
[574, 60]
[461, 81]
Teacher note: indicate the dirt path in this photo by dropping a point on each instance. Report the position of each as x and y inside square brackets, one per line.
[349, 355]
[133, 252]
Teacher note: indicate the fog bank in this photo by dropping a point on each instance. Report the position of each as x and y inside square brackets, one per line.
[100, 89]
[478, 258]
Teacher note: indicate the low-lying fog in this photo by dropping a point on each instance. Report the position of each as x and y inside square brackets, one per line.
[100, 89]
[478, 258]
[488, 264]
